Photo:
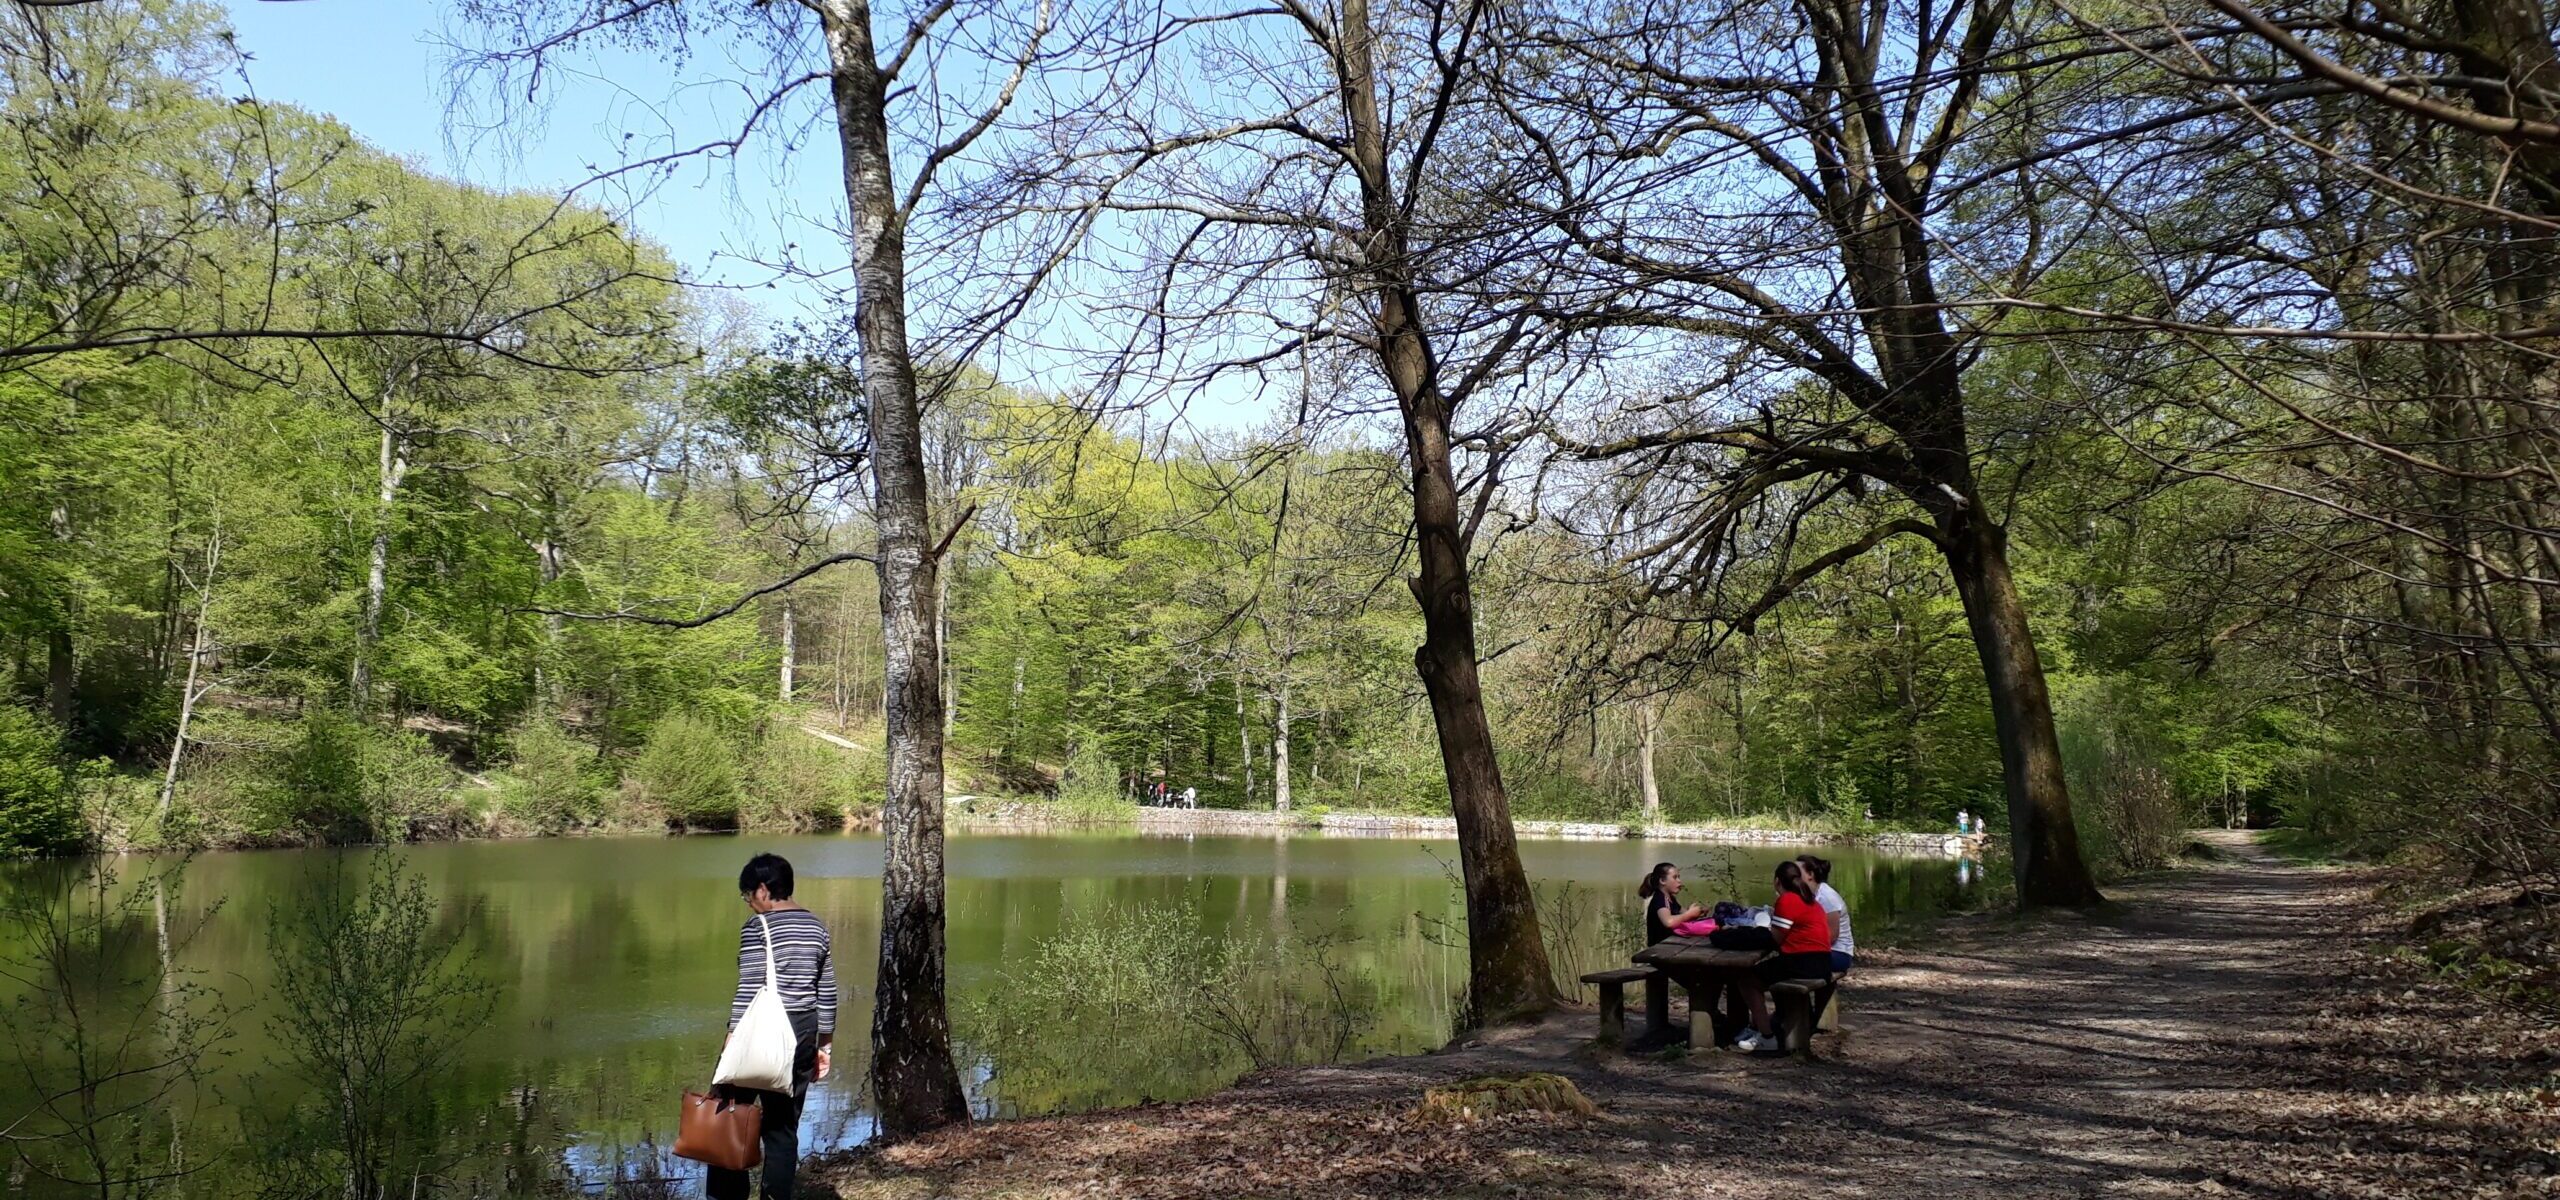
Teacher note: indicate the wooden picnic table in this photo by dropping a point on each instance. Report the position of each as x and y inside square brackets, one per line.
[1709, 973]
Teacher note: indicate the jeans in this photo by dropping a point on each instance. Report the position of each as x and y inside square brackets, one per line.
[781, 1130]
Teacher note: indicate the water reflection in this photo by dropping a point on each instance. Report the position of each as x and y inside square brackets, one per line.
[615, 958]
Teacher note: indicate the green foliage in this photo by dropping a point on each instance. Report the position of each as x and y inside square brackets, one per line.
[39, 810]
[1090, 788]
[318, 786]
[796, 782]
[553, 781]
[372, 1001]
[687, 774]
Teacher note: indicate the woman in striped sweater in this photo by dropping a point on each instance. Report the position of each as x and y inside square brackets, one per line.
[804, 971]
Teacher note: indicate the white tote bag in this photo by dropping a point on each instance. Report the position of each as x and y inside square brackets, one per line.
[761, 1048]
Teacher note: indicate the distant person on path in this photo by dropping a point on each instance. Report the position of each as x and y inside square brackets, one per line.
[1804, 951]
[1191, 797]
[804, 972]
[1964, 822]
[1661, 893]
[1844, 948]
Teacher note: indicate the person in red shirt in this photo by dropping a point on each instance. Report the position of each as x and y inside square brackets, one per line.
[1804, 950]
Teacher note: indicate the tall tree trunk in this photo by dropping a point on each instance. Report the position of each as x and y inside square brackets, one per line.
[1280, 751]
[550, 558]
[790, 646]
[1244, 741]
[393, 467]
[912, 1077]
[1507, 972]
[1649, 728]
[2044, 845]
[188, 693]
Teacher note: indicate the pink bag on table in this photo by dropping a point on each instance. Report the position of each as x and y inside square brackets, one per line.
[1698, 928]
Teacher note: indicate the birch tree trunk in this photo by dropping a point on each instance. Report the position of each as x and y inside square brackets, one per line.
[393, 467]
[790, 646]
[913, 1079]
[1280, 751]
[1649, 730]
[189, 693]
[1244, 740]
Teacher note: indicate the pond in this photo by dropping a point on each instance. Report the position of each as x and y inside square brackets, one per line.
[612, 961]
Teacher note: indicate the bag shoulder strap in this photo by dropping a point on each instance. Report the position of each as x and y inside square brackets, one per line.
[766, 923]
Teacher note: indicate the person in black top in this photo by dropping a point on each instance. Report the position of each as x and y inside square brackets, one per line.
[1662, 910]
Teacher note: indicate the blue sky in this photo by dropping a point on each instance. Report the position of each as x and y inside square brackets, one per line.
[380, 67]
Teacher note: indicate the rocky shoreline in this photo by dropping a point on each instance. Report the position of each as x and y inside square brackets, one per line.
[977, 812]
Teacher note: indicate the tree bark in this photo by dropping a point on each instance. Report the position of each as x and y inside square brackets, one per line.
[1507, 971]
[913, 1079]
[2044, 845]
[790, 647]
[1280, 751]
[393, 467]
[197, 648]
[1649, 728]
[1244, 742]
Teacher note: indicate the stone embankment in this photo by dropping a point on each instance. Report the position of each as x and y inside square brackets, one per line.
[986, 813]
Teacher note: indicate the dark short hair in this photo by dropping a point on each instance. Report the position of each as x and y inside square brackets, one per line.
[1819, 868]
[771, 870]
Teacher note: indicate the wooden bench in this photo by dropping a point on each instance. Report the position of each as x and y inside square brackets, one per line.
[1613, 999]
[1802, 1006]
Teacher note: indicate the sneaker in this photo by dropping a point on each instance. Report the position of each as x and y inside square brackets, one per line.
[1749, 1042]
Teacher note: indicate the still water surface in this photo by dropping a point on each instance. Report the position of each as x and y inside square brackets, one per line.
[614, 958]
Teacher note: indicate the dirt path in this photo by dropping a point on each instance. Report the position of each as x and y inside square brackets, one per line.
[2221, 1030]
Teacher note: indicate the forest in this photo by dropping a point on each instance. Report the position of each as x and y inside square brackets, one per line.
[2106, 419]
[343, 562]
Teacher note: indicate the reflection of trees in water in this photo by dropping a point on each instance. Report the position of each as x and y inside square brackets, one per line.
[1174, 1010]
[614, 961]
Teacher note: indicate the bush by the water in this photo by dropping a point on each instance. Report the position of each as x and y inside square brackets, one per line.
[794, 781]
[39, 811]
[342, 781]
[553, 783]
[687, 774]
[1089, 789]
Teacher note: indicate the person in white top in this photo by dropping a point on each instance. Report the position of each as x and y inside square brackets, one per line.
[1844, 948]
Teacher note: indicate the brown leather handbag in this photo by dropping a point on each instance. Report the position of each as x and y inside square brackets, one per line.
[721, 1132]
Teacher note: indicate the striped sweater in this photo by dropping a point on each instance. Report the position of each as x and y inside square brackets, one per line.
[804, 966]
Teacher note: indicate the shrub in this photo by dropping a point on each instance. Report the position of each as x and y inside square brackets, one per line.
[1089, 789]
[410, 787]
[376, 996]
[341, 781]
[2122, 793]
[798, 782]
[687, 774]
[39, 811]
[552, 783]
[317, 787]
